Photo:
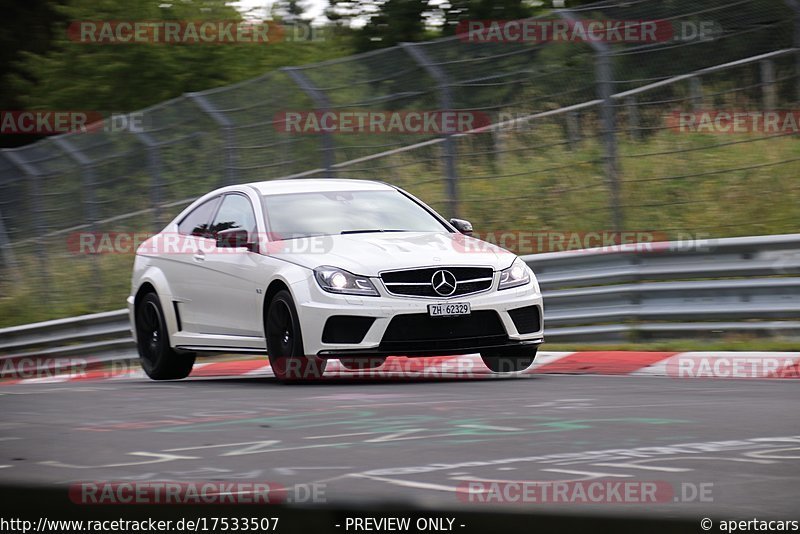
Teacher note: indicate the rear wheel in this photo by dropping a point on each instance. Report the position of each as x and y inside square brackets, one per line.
[509, 360]
[158, 359]
[285, 343]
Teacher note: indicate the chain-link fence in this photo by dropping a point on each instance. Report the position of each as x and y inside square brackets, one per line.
[586, 134]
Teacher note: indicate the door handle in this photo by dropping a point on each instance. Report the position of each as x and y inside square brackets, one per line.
[199, 257]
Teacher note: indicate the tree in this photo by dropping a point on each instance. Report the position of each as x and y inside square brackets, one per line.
[116, 77]
[384, 23]
[462, 10]
[289, 11]
[71, 75]
[27, 28]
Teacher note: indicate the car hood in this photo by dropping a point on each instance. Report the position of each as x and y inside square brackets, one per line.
[370, 253]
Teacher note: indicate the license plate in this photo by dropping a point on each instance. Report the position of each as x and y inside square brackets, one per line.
[449, 309]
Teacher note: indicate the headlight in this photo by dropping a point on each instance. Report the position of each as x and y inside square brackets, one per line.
[335, 280]
[516, 275]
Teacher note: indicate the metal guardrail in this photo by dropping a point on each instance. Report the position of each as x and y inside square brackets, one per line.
[699, 288]
[678, 289]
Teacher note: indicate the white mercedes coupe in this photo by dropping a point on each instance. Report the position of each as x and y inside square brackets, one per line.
[312, 270]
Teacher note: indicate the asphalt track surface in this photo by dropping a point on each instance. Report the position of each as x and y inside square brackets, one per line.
[422, 441]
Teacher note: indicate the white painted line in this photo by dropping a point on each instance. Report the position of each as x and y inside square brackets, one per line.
[645, 467]
[413, 484]
[587, 473]
[487, 427]
[293, 470]
[770, 454]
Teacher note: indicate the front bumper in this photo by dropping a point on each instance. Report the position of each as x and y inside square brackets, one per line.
[315, 307]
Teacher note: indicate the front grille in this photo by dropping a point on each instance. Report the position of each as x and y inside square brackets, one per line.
[527, 319]
[417, 282]
[346, 329]
[419, 331]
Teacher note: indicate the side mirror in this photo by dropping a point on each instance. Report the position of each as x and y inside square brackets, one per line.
[235, 238]
[465, 227]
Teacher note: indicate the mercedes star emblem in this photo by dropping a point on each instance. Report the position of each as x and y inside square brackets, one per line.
[444, 283]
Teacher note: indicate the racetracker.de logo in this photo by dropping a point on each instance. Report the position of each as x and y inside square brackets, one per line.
[56, 122]
[380, 122]
[733, 366]
[599, 491]
[535, 242]
[177, 493]
[175, 32]
[145, 243]
[735, 121]
[559, 30]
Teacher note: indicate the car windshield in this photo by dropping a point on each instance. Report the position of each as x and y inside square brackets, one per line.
[297, 215]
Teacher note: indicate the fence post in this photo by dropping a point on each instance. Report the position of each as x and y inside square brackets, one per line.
[89, 200]
[604, 78]
[633, 118]
[573, 120]
[157, 184]
[795, 6]
[35, 176]
[226, 126]
[446, 103]
[6, 249]
[321, 103]
[9, 259]
[696, 93]
[768, 88]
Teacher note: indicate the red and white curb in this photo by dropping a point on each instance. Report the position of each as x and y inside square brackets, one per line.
[754, 365]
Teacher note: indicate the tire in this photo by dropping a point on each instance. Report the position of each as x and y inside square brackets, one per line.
[285, 343]
[509, 361]
[158, 359]
[360, 364]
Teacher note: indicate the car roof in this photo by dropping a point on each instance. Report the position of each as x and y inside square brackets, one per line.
[310, 185]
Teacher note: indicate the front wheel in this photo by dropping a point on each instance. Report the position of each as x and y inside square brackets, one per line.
[158, 359]
[285, 343]
[509, 360]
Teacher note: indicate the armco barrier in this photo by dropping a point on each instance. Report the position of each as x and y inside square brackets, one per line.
[670, 290]
[678, 289]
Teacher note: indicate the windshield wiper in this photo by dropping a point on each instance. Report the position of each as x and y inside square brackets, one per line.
[370, 231]
[296, 236]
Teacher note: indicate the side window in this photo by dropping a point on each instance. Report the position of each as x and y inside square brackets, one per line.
[196, 223]
[235, 212]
